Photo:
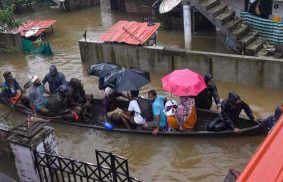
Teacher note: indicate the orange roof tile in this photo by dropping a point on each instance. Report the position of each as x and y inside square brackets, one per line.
[130, 32]
[42, 24]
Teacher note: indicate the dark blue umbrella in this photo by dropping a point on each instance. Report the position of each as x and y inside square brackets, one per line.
[102, 85]
[127, 79]
[102, 69]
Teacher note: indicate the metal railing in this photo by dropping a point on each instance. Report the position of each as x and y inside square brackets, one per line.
[109, 168]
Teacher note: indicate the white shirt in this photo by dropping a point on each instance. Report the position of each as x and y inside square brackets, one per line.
[134, 106]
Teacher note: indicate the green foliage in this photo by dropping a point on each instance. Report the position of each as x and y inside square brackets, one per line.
[7, 20]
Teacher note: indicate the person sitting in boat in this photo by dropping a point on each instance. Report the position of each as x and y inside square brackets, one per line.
[170, 108]
[170, 111]
[204, 99]
[133, 114]
[64, 93]
[54, 79]
[12, 92]
[158, 102]
[185, 115]
[230, 111]
[58, 104]
[37, 98]
[79, 101]
[271, 120]
[111, 110]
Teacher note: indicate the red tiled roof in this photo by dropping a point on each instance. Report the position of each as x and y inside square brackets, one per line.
[129, 32]
[43, 24]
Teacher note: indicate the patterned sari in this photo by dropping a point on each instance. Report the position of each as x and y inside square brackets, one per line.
[186, 113]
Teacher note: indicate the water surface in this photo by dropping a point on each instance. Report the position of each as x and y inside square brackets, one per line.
[150, 158]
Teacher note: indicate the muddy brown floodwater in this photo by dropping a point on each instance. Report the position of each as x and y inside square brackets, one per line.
[150, 158]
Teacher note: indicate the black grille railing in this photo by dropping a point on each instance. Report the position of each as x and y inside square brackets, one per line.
[118, 164]
[109, 168]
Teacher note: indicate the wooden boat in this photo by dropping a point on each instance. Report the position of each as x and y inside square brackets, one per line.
[247, 127]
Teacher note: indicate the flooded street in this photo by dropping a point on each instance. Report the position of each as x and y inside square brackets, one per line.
[150, 158]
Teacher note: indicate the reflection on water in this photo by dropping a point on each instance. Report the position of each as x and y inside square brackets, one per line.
[161, 158]
[7, 167]
[150, 158]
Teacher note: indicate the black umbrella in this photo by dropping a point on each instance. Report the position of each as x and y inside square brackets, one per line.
[102, 69]
[127, 79]
[101, 84]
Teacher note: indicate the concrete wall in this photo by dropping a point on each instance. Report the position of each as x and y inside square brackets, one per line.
[24, 161]
[266, 72]
[134, 6]
[22, 149]
[4, 147]
[72, 5]
[11, 41]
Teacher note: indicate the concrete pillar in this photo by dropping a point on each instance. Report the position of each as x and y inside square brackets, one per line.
[3, 142]
[105, 6]
[23, 150]
[187, 25]
[106, 16]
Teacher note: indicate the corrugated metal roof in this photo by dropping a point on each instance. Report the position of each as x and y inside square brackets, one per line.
[42, 24]
[130, 32]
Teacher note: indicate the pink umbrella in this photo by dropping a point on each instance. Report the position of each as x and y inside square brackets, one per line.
[183, 83]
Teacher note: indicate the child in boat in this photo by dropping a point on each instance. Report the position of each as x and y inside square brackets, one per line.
[170, 111]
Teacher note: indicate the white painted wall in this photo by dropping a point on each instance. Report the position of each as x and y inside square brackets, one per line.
[24, 158]
[277, 9]
[24, 163]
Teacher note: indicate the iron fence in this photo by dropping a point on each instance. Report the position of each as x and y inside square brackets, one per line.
[109, 168]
